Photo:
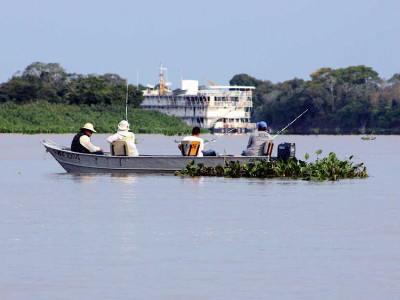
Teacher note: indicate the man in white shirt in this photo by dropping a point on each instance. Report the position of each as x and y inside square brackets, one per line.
[124, 134]
[196, 137]
[81, 142]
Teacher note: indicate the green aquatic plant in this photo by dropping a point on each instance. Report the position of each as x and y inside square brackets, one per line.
[318, 152]
[368, 138]
[328, 168]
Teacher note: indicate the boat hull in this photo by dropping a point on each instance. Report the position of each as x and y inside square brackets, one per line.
[74, 162]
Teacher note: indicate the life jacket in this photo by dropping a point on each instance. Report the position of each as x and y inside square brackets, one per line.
[76, 145]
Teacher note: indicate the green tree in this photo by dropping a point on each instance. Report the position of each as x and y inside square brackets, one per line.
[354, 116]
[244, 80]
[19, 90]
[395, 79]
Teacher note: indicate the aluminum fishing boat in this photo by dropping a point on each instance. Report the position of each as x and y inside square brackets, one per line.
[74, 162]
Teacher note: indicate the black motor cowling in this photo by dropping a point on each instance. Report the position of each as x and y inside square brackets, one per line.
[286, 151]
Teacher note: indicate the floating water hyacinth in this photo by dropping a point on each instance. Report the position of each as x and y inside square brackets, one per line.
[327, 168]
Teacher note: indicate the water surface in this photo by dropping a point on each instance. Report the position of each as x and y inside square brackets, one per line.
[158, 236]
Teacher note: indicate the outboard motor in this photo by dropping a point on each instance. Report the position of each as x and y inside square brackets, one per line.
[286, 151]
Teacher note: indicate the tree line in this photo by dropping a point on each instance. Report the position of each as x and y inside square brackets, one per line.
[340, 101]
[50, 82]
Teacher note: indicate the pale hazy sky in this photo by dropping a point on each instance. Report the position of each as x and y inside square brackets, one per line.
[270, 40]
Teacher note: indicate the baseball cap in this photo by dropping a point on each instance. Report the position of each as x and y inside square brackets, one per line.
[262, 124]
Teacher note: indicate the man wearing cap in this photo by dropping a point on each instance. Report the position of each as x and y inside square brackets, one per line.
[81, 142]
[124, 134]
[255, 146]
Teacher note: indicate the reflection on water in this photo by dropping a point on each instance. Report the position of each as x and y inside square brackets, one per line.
[124, 178]
[84, 178]
[79, 178]
[95, 178]
[160, 236]
[194, 180]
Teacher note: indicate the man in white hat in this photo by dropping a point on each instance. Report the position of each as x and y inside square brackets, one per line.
[124, 134]
[82, 143]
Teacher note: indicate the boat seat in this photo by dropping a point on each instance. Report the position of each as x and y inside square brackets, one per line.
[190, 148]
[119, 148]
[268, 146]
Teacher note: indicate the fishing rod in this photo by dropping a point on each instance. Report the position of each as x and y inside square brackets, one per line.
[213, 140]
[279, 132]
[126, 101]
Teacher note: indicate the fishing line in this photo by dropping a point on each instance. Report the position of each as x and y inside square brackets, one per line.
[213, 140]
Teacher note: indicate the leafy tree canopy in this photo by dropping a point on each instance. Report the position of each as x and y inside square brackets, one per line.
[352, 75]
[51, 83]
[244, 79]
[344, 100]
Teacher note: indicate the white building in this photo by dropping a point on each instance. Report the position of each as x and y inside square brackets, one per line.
[218, 108]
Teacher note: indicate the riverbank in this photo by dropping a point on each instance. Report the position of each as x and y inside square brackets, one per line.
[43, 117]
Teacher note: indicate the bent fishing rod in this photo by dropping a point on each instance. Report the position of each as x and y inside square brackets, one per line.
[280, 131]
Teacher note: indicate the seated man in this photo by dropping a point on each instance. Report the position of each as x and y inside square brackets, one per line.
[196, 137]
[124, 134]
[81, 142]
[257, 140]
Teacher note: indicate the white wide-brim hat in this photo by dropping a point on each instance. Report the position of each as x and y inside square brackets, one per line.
[89, 126]
[123, 125]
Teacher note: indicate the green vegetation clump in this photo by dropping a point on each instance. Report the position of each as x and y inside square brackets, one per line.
[368, 138]
[328, 168]
[44, 117]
